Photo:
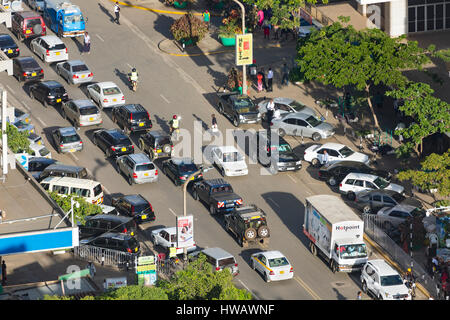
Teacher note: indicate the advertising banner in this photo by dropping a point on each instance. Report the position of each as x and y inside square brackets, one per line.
[244, 49]
[185, 231]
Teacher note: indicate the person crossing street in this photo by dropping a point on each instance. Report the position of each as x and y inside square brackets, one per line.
[117, 12]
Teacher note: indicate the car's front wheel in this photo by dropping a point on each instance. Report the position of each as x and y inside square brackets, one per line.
[316, 137]
[351, 196]
[367, 209]
[332, 181]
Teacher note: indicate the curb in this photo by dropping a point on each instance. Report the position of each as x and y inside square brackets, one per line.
[158, 10]
[394, 264]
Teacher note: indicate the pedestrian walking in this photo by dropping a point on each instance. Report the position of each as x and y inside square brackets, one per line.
[270, 111]
[117, 12]
[103, 259]
[266, 29]
[263, 78]
[214, 127]
[260, 18]
[260, 83]
[206, 17]
[87, 43]
[3, 273]
[359, 297]
[276, 30]
[285, 77]
[269, 80]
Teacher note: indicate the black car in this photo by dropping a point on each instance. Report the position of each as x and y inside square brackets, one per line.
[132, 118]
[8, 46]
[372, 200]
[276, 153]
[63, 170]
[113, 142]
[134, 205]
[178, 170]
[48, 92]
[156, 144]
[334, 173]
[114, 241]
[102, 223]
[27, 69]
[38, 164]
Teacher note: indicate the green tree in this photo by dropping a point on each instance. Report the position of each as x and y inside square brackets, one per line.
[434, 173]
[198, 282]
[79, 214]
[134, 292]
[430, 114]
[17, 141]
[343, 56]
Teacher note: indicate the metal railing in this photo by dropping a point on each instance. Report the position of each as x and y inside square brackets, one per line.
[315, 13]
[373, 228]
[108, 257]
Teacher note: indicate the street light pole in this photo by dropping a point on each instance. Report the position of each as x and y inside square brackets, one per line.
[244, 71]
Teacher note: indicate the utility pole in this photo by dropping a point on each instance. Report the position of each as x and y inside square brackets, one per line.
[4, 137]
[244, 71]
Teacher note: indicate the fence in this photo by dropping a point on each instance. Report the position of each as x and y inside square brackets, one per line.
[373, 228]
[316, 14]
[109, 257]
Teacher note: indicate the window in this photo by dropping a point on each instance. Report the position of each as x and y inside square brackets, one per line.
[370, 185]
[369, 270]
[377, 197]
[350, 181]
[226, 261]
[98, 190]
[110, 91]
[145, 167]
[396, 214]
[61, 189]
[290, 121]
[81, 192]
[359, 183]
[302, 123]
[278, 262]
[333, 153]
[45, 186]
[388, 200]
[165, 235]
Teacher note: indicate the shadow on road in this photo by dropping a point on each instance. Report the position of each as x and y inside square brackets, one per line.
[106, 11]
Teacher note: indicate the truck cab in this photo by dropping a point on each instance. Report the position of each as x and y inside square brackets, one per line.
[350, 254]
[64, 18]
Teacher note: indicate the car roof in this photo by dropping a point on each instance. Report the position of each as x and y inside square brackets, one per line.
[273, 254]
[5, 35]
[75, 182]
[28, 58]
[169, 230]
[42, 159]
[75, 62]
[51, 39]
[36, 147]
[249, 211]
[67, 131]
[106, 84]
[158, 133]
[83, 103]
[180, 161]
[116, 235]
[227, 149]
[65, 167]
[332, 145]
[217, 253]
[366, 176]
[115, 133]
[139, 158]
[383, 267]
[134, 107]
[382, 191]
[51, 84]
[28, 14]
[135, 199]
[347, 163]
[296, 115]
[403, 207]
[216, 182]
[110, 217]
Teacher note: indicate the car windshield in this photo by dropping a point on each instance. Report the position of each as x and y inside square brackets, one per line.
[20, 124]
[243, 105]
[58, 46]
[71, 138]
[88, 110]
[145, 167]
[83, 174]
[226, 262]
[232, 157]
[313, 121]
[73, 18]
[124, 141]
[32, 22]
[281, 148]
[98, 190]
[110, 91]
[392, 280]
[352, 251]
[80, 68]
[138, 116]
[398, 197]
[57, 90]
[6, 41]
[29, 64]
[297, 106]
[164, 140]
[381, 183]
[278, 262]
[222, 189]
[346, 152]
[44, 151]
[188, 167]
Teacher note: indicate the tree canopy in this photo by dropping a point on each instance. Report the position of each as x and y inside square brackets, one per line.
[430, 114]
[79, 214]
[342, 56]
[17, 141]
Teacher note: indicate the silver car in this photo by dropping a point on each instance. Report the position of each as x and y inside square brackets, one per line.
[67, 140]
[393, 216]
[74, 71]
[302, 124]
[81, 113]
[286, 105]
[137, 168]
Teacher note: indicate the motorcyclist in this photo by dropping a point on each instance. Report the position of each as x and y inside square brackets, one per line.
[174, 123]
[410, 280]
[133, 75]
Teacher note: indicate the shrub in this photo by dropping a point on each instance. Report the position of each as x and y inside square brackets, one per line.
[17, 141]
[189, 27]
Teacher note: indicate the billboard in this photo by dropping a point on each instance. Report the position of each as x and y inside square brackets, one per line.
[185, 231]
[244, 49]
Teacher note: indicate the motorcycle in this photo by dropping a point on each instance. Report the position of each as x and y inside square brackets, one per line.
[411, 285]
[133, 83]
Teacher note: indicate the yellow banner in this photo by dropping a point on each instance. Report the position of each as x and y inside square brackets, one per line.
[244, 49]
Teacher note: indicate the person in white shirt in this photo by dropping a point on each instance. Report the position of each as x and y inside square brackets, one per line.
[87, 43]
[117, 12]
[276, 113]
[269, 80]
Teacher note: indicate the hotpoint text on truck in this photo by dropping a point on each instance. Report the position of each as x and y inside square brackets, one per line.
[335, 232]
[64, 18]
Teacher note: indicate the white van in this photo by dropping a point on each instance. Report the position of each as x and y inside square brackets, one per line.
[90, 190]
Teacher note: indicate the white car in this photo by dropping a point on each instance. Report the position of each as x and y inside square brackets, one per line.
[106, 94]
[286, 105]
[49, 48]
[393, 216]
[229, 161]
[354, 183]
[336, 152]
[380, 279]
[39, 150]
[273, 265]
[167, 237]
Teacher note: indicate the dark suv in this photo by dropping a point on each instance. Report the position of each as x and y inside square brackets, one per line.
[114, 241]
[113, 142]
[156, 144]
[102, 223]
[134, 205]
[248, 224]
[27, 25]
[132, 118]
[48, 92]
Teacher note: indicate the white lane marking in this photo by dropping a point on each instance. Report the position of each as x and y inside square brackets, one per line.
[273, 202]
[173, 212]
[106, 189]
[26, 106]
[246, 288]
[74, 156]
[98, 36]
[42, 122]
[129, 65]
[9, 88]
[292, 178]
[164, 98]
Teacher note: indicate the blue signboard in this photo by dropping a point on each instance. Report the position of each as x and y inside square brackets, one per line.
[38, 241]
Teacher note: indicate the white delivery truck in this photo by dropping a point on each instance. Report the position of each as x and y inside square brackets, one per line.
[335, 232]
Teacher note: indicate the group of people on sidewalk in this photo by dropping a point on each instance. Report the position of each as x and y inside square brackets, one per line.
[260, 77]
